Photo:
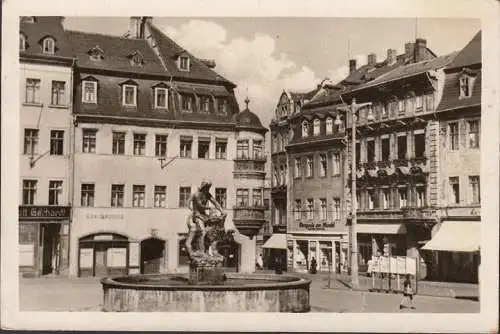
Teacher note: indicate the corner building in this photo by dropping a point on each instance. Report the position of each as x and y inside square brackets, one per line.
[151, 122]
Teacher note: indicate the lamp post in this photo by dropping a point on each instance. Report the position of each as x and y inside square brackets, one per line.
[354, 108]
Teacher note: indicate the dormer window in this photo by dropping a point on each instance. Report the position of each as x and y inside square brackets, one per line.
[204, 104]
[136, 58]
[129, 95]
[466, 84]
[89, 91]
[161, 97]
[419, 103]
[184, 63]
[329, 126]
[316, 127]
[22, 42]
[186, 103]
[305, 129]
[48, 45]
[96, 53]
[222, 106]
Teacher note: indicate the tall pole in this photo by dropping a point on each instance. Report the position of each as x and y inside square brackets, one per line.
[354, 238]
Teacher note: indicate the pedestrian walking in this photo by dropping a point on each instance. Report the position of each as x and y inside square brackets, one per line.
[407, 294]
[313, 269]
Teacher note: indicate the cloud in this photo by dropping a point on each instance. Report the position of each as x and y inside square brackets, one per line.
[253, 64]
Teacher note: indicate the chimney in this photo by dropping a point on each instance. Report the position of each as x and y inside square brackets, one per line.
[409, 47]
[352, 65]
[371, 59]
[420, 49]
[137, 26]
[210, 63]
[391, 56]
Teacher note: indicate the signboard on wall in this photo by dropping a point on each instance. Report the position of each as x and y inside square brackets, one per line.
[86, 257]
[401, 265]
[44, 212]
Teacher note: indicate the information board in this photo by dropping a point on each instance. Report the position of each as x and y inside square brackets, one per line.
[401, 265]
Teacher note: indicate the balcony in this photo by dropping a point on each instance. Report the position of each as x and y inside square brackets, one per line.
[249, 219]
[416, 213]
[249, 167]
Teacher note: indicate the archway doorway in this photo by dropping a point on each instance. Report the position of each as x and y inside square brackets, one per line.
[153, 255]
[230, 250]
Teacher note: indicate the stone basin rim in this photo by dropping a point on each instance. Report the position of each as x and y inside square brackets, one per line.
[282, 282]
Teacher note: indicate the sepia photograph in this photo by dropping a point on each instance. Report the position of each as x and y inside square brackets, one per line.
[266, 164]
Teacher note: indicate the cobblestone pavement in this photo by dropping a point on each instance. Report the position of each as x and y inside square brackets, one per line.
[85, 294]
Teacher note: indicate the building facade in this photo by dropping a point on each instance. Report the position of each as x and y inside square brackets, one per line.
[45, 89]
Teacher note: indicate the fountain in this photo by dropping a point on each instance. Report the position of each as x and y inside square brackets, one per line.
[206, 288]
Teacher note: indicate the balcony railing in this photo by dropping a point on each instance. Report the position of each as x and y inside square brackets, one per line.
[419, 213]
[249, 213]
[249, 165]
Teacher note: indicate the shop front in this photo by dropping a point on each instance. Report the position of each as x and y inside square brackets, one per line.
[103, 254]
[276, 247]
[43, 240]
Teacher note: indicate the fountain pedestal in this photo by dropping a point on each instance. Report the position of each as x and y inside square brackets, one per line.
[206, 270]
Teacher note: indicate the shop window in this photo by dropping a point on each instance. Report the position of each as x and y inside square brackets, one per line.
[221, 150]
[419, 138]
[243, 149]
[203, 148]
[298, 168]
[453, 135]
[474, 133]
[221, 196]
[402, 147]
[138, 196]
[161, 145]
[475, 193]
[56, 142]
[30, 141]
[322, 165]
[139, 144]
[323, 209]
[298, 209]
[32, 91]
[89, 140]
[87, 194]
[58, 89]
[336, 164]
[386, 149]
[454, 190]
[310, 209]
[242, 197]
[370, 146]
[184, 196]
[29, 192]
[118, 142]
[309, 166]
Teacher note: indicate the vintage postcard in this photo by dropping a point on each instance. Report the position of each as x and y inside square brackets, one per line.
[300, 166]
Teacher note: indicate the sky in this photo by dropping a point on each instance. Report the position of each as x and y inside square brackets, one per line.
[263, 56]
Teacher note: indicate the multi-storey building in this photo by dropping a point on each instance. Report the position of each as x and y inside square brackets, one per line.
[45, 157]
[456, 237]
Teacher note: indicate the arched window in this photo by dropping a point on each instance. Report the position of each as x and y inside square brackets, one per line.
[329, 126]
[22, 42]
[49, 45]
[305, 129]
[316, 127]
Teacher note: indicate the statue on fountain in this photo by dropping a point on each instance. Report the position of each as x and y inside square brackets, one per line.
[205, 229]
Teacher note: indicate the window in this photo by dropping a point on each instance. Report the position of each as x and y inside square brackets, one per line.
[336, 208]
[160, 196]
[89, 140]
[32, 91]
[322, 165]
[22, 42]
[87, 194]
[453, 136]
[305, 129]
[465, 86]
[386, 198]
[419, 103]
[257, 197]
[221, 106]
[322, 211]
[310, 209]
[298, 209]
[274, 144]
[475, 193]
[421, 196]
[454, 190]
[474, 133]
[358, 152]
[257, 149]
[30, 141]
[185, 148]
[203, 148]
[401, 106]
[129, 97]
[29, 192]
[298, 167]
[402, 147]
[386, 149]
[186, 102]
[282, 175]
[384, 109]
[184, 63]
[117, 194]
[336, 164]
[220, 150]
[429, 102]
[204, 104]
[58, 88]
[329, 126]
[316, 126]
[118, 142]
[372, 199]
[55, 192]
[419, 138]
[309, 166]
[242, 149]
[242, 197]
[138, 195]
[221, 196]
[161, 145]
[56, 142]
[370, 147]
[139, 144]
[184, 196]
[49, 45]
[402, 195]
[89, 94]
[161, 97]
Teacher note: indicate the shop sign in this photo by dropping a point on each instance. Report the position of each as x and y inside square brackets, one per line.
[45, 212]
[104, 216]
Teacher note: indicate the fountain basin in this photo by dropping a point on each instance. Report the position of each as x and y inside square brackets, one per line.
[173, 293]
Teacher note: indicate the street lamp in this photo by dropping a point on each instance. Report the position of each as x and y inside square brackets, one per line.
[354, 109]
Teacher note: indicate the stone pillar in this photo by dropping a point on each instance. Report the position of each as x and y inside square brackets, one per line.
[247, 256]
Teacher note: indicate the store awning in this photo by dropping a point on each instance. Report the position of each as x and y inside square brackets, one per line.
[456, 236]
[381, 228]
[277, 241]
